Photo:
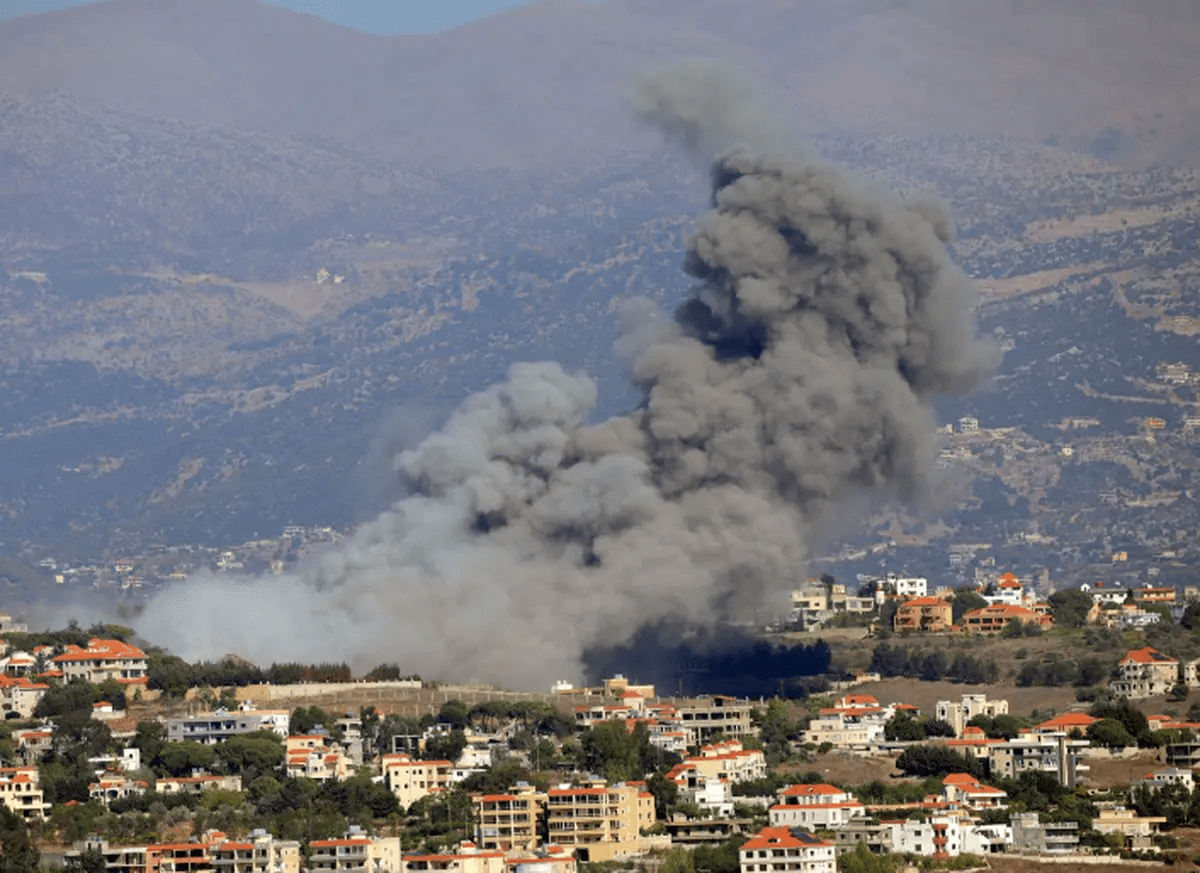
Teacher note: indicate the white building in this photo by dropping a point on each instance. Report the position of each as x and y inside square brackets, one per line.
[214, 727]
[780, 850]
[815, 806]
[958, 715]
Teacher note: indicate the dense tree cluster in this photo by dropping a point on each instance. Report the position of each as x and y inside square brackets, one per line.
[914, 663]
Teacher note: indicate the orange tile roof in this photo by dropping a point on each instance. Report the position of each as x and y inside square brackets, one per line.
[782, 838]
[1147, 655]
[810, 790]
[1068, 720]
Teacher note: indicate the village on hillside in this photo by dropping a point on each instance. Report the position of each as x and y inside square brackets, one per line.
[127, 760]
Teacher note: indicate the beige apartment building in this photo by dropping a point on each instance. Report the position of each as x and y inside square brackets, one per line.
[601, 822]
[260, 853]
[411, 780]
[509, 822]
[355, 853]
[468, 859]
[21, 792]
[704, 717]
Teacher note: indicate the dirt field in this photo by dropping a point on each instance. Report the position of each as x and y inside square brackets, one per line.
[925, 695]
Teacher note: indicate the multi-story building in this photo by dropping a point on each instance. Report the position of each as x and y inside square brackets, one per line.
[1048, 753]
[994, 618]
[259, 853]
[551, 859]
[947, 836]
[411, 780]
[815, 807]
[783, 850]
[1030, 834]
[315, 757]
[923, 615]
[21, 792]
[1145, 672]
[355, 853]
[20, 695]
[215, 727]
[1008, 590]
[704, 717]
[468, 859]
[958, 715]
[729, 761]
[112, 787]
[510, 821]
[964, 790]
[855, 721]
[600, 822]
[103, 660]
[1138, 831]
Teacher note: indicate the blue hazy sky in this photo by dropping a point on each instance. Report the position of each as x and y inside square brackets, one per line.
[375, 16]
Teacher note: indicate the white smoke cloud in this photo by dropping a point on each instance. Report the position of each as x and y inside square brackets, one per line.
[799, 374]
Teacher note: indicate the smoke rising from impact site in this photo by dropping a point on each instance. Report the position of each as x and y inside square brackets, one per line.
[826, 315]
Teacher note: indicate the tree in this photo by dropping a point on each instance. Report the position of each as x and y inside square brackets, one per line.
[936, 727]
[455, 713]
[1070, 608]
[253, 755]
[17, 851]
[90, 860]
[611, 749]
[935, 760]
[902, 727]
[1109, 733]
[964, 600]
[445, 746]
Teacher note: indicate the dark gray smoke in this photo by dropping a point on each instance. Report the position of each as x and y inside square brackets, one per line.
[800, 371]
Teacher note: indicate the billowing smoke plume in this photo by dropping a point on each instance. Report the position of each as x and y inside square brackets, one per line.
[826, 315]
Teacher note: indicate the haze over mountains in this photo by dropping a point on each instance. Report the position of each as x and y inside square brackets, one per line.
[235, 240]
[546, 83]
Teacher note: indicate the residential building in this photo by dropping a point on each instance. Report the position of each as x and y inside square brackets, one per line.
[856, 721]
[600, 822]
[965, 791]
[711, 794]
[117, 859]
[718, 714]
[21, 792]
[923, 615]
[974, 743]
[510, 821]
[190, 857]
[729, 761]
[356, 853]
[467, 859]
[1145, 672]
[958, 715]
[33, 744]
[1031, 835]
[103, 660]
[198, 784]
[215, 727]
[551, 859]
[258, 853]
[1008, 590]
[112, 787]
[1138, 831]
[411, 780]
[994, 618]
[19, 695]
[783, 850]
[1048, 753]
[1166, 777]
[316, 757]
[815, 807]
[946, 836]
[1066, 723]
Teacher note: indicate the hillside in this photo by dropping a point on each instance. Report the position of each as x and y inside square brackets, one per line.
[545, 84]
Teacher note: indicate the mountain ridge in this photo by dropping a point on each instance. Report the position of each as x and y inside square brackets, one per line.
[546, 84]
